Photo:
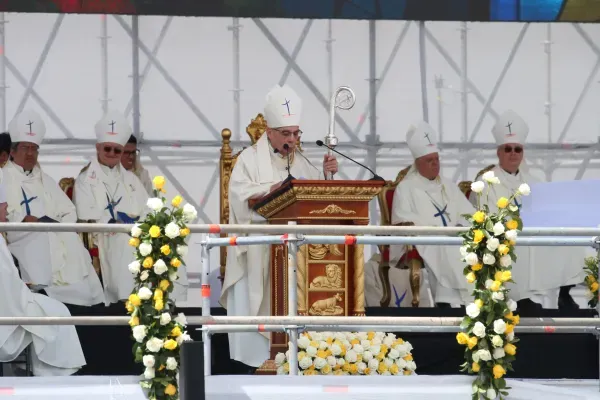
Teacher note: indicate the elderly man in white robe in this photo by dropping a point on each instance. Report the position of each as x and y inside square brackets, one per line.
[55, 350]
[57, 260]
[259, 170]
[542, 275]
[425, 198]
[105, 192]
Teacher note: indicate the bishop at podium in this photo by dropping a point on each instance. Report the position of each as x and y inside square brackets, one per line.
[259, 170]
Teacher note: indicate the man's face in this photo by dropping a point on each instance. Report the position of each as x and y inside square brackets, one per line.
[109, 154]
[25, 155]
[4, 156]
[3, 211]
[429, 165]
[285, 134]
[128, 157]
[510, 156]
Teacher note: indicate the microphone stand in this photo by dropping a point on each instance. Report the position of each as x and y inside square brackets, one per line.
[375, 176]
[290, 176]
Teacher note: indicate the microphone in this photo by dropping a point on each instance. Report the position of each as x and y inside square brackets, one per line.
[289, 177]
[375, 176]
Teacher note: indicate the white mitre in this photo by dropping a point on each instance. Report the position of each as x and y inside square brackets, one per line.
[421, 140]
[27, 126]
[283, 107]
[113, 128]
[510, 128]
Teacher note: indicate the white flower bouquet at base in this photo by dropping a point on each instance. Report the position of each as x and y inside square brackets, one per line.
[346, 353]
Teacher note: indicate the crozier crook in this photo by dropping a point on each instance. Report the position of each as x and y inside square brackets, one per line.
[344, 99]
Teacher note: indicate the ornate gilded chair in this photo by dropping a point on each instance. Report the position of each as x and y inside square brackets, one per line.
[411, 260]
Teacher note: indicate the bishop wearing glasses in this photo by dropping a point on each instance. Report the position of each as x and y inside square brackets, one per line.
[105, 192]
[259, 170]
[57, 260]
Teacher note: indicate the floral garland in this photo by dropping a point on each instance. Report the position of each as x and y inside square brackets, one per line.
[345, 353]
[591, 280]
[160, 242]
[487, 330]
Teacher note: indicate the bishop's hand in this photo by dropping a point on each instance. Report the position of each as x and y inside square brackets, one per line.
[330, 164]
[30, 218]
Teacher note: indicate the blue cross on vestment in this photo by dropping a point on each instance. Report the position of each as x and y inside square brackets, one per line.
[26, 201]
[111, 206]
[441, 213]
[398, 298]
[287, 104]
[126, 218]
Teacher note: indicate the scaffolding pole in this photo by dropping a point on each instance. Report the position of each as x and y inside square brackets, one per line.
[329, 46]
[135, 51]
[548, 104]
[235, 30]
[372, 138]
[2, 72]
[104, 57]
[463, 93]
[423, 67]
[439, 85]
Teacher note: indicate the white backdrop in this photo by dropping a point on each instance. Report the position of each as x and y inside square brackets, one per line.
[198, 54]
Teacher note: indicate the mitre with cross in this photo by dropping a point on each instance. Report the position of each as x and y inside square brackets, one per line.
[421, 140]
[510, 128]
[113, 128]
[27, 126]
[283, 107]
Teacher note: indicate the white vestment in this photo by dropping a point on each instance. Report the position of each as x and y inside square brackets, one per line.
[432, 203]
[539, 272]
[56, 259]
[56, 349]
[246, 287]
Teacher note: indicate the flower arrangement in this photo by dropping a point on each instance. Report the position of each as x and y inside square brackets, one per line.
[345, 353]
[487, 329]
[160, 242]
[591, 280]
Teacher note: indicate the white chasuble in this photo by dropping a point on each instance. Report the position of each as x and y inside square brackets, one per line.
[56, 349]
[246, 287]
[436, 202]
[56, 259]
[106, 195]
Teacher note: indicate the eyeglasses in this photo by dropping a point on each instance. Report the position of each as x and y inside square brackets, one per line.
[509, 149]
[131, 153]
[287, 134]
[116, 150]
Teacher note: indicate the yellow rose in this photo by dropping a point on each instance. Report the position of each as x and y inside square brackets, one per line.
[135, 242]
[301, 355]
[134, 300]
[510, 349]
[476, 267]
[176, 332]
[158, 294]
[366, 372]
[135, 321]
[311, 372]
[516, 319]
[176, 201]
[326, 370]
[502, 202]
[354, 341]
[471, 277]
[381, 356]
[407, 372]
[170, 344]
[512, 224]
[495, 286]
[148, 262]
[382, 368]
[354, 369]
[506, 276]
[358, 357]
[154, 231]
[128, 306]
[472, 342]
[503, 249]
[370, 335]
[159, 305]
[314, 344]
[475, 367]
[408, 357]
[159, 182]
[479, 217]
[170, 390]
[594, 286]
[329, 340]
[345, 368]
[175, 262]
[462, 338]
[498, 371]
[164, 284]
[509, 328]
[477, 236]
[479, 303]
[322, 354]
[393, 369]
[166, 250]
[590, 278]
[184, 232]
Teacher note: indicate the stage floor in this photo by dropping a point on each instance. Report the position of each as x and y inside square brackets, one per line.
[241, 387]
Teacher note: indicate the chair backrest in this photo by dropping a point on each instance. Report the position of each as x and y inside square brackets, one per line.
[67, 185]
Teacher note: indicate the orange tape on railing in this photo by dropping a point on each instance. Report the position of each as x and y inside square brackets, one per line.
[214, 228]
[233, 240]
[349, 240]
[284, 238]
[261, 328]
[205, 291]
[549, 329]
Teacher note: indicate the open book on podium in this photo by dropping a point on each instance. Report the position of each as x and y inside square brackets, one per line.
[330, 277]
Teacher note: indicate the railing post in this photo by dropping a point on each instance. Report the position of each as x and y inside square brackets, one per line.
[206, 337]
[597, 247]
[292, 249]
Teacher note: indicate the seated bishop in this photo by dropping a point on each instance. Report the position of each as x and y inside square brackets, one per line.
[105, 192]
[131, 162]
[260, 169]
[57, 260]
[424, 198]
[55, 350]
[542, 275]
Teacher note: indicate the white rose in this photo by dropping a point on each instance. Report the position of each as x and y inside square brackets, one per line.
[365, 344]
[160, 267]
[280, 359]
[362, 336]
[479, 329]
[145, 249]
[149, 373]
[488, 177]
[488, 283]
[497, 296]
[589, 295]
[144, 293]
[497, 341]
[189, 213]
[484, 355]
[181, 320]
[173, 276]
[358, 349]
[505, 261]
[171, 363]
[183, 338]
[408, 346]
[374, 364]
[376, 341]
[510, 336]
[281, 371]
[489, 259]
[320, 362]
[165, 318]
[136, 231]
[305, 363]
[498, 229]
[498, 353]
[335, 349]
[388, 362]
[351, 356]
[499, 326]
[491, 394]
[148, 361]
[361, 366]
[311, 351]
[134, 267]
[472, 310]
[341, 362]
[524, 189]
[331, 361]
[511, 304]
[393, 354]
[477, 187]
[322, 345]
[154, 203]
[154, 344]
[172, 230]
[388, 341]
[492, 244]
[511, 234]
[144, 275]
[402, 349]
[471, 259]
[182, 250]
[464, 250]
[339, 336]
[376, 349]
[368, 356]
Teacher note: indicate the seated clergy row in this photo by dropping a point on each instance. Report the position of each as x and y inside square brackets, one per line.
[543, 275]
[112, 188]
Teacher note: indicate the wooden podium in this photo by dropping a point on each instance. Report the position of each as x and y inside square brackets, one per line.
[330, 277]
